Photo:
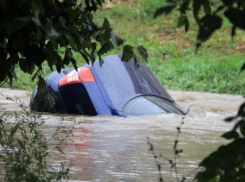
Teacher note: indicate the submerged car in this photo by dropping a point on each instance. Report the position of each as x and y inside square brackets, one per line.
[115, 88]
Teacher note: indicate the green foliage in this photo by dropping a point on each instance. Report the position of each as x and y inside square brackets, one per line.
[35, 31]
[25, 152]
[227, 163]
[172, 58]
[208, 15]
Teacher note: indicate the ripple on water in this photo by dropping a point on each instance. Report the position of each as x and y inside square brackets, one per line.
[109, 148]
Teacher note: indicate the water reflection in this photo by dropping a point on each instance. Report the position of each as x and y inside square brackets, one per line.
[109, 148]
[78, 151]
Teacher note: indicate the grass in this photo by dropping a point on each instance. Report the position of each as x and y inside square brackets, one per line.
[172, 57]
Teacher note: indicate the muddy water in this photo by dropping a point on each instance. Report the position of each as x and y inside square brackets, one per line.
[115, 149]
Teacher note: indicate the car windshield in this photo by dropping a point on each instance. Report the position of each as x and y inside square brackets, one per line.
[149, 105]
[119, 81]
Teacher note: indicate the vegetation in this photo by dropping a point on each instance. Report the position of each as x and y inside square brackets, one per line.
[227, 163]
[215, 68]
[173, 162]
[36, 31]
[34, 35]
[25, 150]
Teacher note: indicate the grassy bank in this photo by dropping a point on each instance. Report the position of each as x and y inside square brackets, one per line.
[215, 68]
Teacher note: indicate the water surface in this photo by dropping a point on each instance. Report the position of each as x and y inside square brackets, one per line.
[108, 148]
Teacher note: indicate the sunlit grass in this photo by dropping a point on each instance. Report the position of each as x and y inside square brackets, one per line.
[172, 54]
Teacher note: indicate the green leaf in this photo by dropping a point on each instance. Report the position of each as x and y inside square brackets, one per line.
[69, 58]
[99, 2]
[234, 15]
[40, 6]
[21, 144]
[101, 61]
[220, 8]
[35, 75]
[233, 31]
[181, 21]
[62, 21]
[230, 135]
[39, 34]
[242, 128]
[41, 83]
[90, 5]
[243, 67]
[25, 19]
[4, 3]
[143, 52]
[208, 24]
[207, 7]
[36, 6]
[197, 4]
[54, 59]
[228, 2]
[23, 65]
[237, 125]
[105, 48]
[106, 24]
[92, 52]
[10, 27]
[72, 42]
[184, 6]
[128, 53]
[229, 119]
[117, 41]
[52, 34]
[187, 24]
[35, 18]
[51, 98]
[241, 111]
[164, 10]
[136, 62]
[38, 55]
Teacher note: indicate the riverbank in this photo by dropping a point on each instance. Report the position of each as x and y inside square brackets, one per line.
[172, 58]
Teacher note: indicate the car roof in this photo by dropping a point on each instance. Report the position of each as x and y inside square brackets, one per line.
[120, 81]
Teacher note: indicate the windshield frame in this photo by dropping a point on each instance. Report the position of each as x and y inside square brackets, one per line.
[173, 107]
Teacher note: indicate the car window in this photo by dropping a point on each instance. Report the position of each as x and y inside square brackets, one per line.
[149, 105]
[121, 82]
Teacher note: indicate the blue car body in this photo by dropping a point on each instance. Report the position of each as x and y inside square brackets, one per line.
[115, 88]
